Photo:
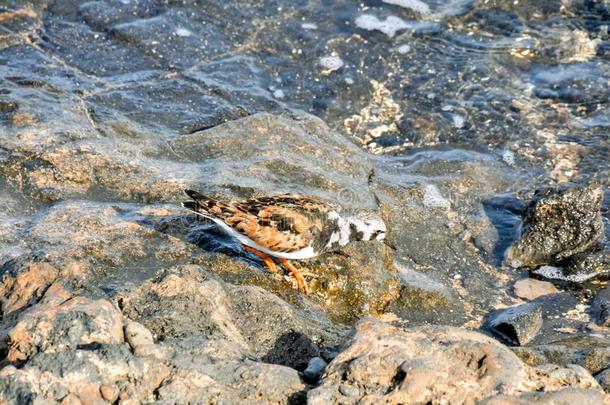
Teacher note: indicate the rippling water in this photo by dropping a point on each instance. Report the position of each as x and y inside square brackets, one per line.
[524, 82]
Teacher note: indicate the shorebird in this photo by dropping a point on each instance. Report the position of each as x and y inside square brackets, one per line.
[287, 227]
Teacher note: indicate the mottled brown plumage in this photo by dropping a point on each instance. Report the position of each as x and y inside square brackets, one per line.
[283, 223]
[288, 226]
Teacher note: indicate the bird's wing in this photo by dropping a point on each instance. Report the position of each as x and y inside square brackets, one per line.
[284, 223]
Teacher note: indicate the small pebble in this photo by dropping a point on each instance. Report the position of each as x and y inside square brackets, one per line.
[315, 368]
[109, 393]
[530, 288]
[349, 390]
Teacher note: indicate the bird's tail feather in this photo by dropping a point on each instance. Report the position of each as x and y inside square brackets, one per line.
[191, 205]
[201, 204]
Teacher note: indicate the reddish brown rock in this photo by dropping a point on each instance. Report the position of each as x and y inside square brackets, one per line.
[530, 288]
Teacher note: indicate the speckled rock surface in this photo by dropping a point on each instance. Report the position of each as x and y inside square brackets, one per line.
[386, 363]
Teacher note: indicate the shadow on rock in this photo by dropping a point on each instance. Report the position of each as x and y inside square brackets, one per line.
[292, 349]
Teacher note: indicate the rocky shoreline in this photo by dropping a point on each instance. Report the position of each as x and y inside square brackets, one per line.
[477, 130]
[145, 303]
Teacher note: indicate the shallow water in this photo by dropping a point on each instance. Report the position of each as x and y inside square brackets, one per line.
[431, 87]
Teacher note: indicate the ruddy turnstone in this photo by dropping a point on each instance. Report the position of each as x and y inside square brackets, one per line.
[286, 227]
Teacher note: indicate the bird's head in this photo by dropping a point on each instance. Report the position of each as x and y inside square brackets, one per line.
[367, 226]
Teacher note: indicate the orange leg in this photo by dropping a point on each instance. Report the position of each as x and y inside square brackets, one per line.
[269, 263]
[296, 274]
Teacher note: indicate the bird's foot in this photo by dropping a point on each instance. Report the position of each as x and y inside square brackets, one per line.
[294, 272]
[267, 260]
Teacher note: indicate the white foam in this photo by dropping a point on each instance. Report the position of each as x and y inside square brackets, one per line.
[415, 5]
[458, 121]
[183, 32]
[508, 156]
[403, 49]
[309, 26]
[331, 63]
[278, 94]
[555, 273]
[390, 26]
[434, 198]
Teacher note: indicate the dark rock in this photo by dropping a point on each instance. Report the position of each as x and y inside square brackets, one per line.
[558, 224]
[603, 378]
[589, 265]
[600, 307]
[519, 325]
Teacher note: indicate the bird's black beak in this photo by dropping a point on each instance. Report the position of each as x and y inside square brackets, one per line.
[389, 244]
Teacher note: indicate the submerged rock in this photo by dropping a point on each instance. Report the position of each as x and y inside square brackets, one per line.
[519, 325]
[558, 224]
[386, 363]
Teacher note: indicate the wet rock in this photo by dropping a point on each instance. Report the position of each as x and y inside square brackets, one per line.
[572, 83]
[530, 288]
[87, 240]
[385, 363]
[558, 224]
[519, 325]
[360, 282]
[262, 148]
[600, 307]
[421, 295]
[442, 232]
